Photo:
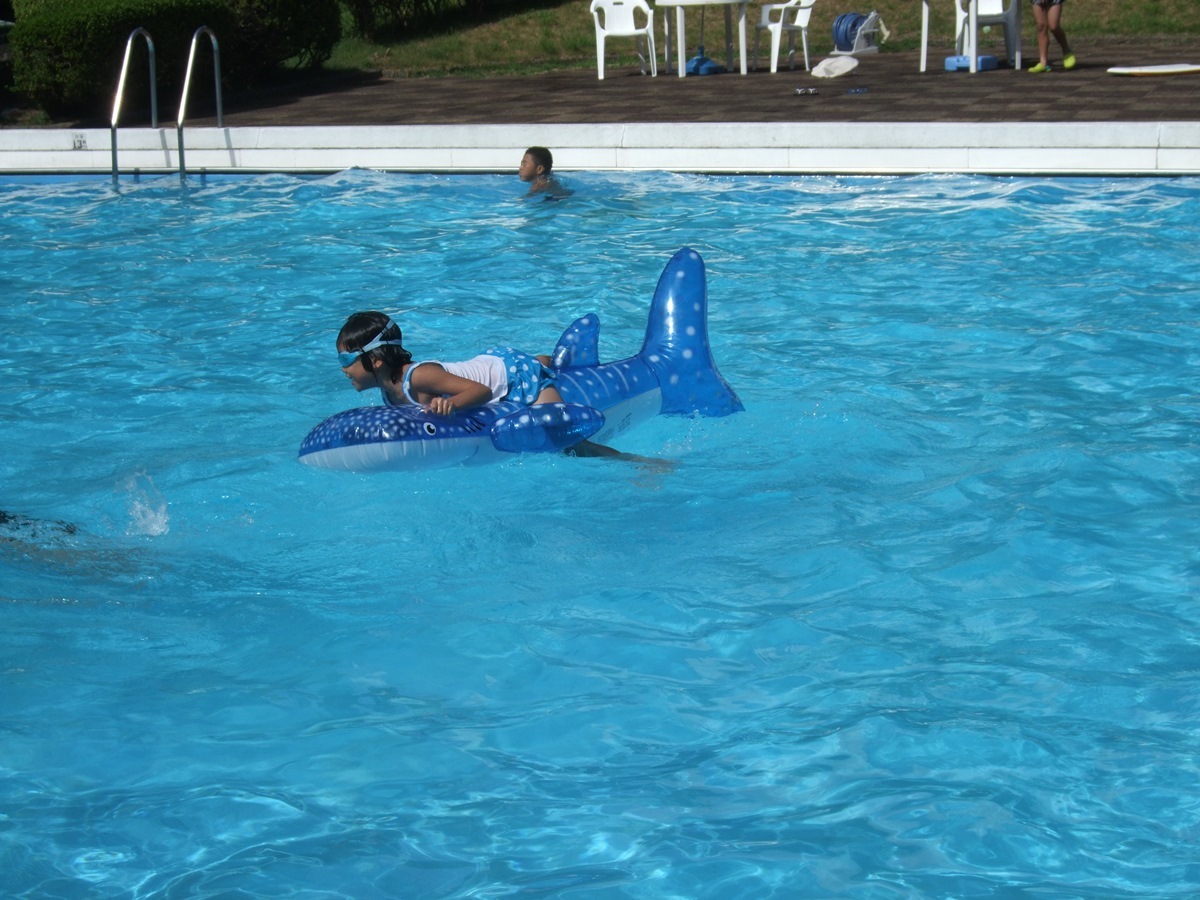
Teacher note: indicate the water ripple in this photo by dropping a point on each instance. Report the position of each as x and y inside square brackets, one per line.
[920, 622]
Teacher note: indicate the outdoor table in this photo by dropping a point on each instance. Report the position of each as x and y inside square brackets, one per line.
[680, 37]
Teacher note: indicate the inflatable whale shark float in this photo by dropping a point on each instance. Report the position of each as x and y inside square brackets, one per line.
[674, 374]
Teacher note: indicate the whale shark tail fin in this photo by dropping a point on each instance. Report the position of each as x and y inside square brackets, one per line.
[676, 345]
[579, 344]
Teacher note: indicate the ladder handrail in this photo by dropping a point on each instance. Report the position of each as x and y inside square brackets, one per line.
[187, 83]
[120, 95]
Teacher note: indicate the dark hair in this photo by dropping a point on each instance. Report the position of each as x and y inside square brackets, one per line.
[363, 327]
[541, 157]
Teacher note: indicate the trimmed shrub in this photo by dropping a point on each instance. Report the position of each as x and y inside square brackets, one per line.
[272, 32]
[67, 53]
[6, 15]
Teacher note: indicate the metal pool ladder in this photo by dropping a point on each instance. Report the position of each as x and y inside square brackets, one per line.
[116, 112]
[187, 83]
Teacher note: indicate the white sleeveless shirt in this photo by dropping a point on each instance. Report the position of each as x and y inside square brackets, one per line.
[487, 370]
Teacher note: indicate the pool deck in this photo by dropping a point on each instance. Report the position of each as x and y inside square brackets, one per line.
[896, 120]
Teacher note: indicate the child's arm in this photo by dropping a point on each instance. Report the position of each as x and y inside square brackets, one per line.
[447, 392]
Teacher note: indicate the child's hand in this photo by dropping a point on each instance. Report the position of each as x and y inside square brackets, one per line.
[441, 406]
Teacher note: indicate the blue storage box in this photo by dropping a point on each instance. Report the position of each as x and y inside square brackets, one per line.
[963, 63]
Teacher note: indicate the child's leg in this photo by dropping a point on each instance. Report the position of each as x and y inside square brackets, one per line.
[549, 394]
[1053, 23]
[1043, 32]
[600, 451]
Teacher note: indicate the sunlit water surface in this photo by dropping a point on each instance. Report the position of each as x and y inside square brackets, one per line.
[920, 622]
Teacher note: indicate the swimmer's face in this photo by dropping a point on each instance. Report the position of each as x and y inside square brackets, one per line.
[529, 170]
[360, 376]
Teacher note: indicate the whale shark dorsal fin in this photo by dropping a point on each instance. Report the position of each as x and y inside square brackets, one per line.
[579, 344]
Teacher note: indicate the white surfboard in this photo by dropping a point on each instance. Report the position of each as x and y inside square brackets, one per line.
[1169, 69]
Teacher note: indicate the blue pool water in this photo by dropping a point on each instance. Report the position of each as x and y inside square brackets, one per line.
[922, 621]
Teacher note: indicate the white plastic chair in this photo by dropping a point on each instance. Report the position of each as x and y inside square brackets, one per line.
[993, 12]
[617, 18]
[777, 18]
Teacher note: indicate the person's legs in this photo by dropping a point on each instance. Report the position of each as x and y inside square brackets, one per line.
[1043, 37]
[549, 394]
[1054, 26]
[583, 449]
[587, 449]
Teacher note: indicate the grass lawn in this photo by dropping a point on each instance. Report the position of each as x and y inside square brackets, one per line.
[559, 34]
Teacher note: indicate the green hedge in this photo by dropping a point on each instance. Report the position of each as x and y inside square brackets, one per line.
[67, 53]
[398, 16]
[273, 32]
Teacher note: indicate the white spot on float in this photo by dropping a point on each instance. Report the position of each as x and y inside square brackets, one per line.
[690, 331]
[687, 353]
[674, 379]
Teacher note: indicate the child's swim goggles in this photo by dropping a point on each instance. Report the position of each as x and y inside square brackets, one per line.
[347, 357]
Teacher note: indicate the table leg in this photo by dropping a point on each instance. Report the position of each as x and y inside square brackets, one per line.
[973, 33]
[742, 36]
[728, 38]
[666, 41]
[1017, 25]
[680, 42]
[925, 33]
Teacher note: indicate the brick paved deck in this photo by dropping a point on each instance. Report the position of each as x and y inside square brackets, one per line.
[896, 92]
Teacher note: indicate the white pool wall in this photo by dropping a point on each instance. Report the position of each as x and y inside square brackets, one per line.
[1003, 148]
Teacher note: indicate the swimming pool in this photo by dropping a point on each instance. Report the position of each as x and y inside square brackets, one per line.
[920, 622]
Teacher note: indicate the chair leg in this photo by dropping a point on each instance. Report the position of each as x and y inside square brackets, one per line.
[1011, 40]
[804, 41]
[600, 56]
[646, 51]
[776, 35]
[791, 51]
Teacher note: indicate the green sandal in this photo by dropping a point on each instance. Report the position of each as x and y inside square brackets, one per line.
[1069, 61]
[1040, 67]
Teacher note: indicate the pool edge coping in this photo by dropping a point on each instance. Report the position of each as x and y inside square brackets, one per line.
[1004, 148]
